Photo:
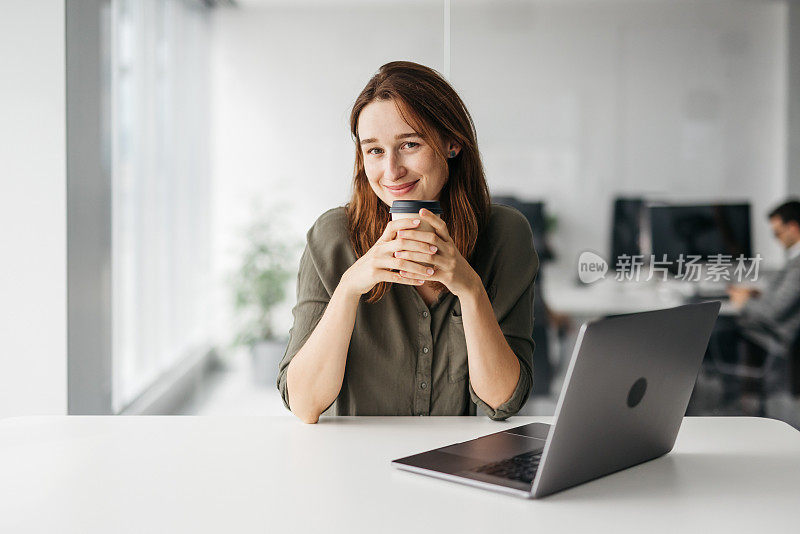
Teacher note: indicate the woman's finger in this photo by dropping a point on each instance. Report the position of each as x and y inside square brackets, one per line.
[438, 224]
[425, 278]
[388, 276]
[422, 257]
[425, 237]
[398, 224]
[410, 266]
[402, 243]
[390, 263]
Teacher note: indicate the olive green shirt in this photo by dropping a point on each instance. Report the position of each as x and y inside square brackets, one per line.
[405, 358]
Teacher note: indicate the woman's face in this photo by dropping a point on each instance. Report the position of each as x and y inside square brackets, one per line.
[399, 164]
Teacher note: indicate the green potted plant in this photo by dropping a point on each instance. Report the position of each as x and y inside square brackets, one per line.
[259, 286]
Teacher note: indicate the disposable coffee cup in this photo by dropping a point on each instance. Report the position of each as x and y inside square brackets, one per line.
[409, 209]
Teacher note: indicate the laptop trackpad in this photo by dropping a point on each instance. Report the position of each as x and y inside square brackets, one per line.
[495, 447]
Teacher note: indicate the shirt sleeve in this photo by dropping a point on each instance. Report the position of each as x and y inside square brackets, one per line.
[513, 287]
[777, 304]
[312, 300]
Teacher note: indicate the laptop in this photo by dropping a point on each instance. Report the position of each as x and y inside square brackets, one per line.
[624, 397]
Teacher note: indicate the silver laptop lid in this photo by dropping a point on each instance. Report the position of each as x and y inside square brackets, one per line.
[625, 393]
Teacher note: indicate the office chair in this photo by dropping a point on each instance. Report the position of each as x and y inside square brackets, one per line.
[765, 374]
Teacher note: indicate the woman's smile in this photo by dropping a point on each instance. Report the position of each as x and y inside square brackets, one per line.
[400, 190]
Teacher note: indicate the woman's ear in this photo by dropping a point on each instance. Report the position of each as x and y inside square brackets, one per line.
[453, 149]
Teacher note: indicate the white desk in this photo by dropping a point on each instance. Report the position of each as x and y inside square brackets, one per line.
[609, 297]
[276, 474]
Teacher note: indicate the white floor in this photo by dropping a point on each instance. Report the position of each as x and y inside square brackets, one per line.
[232, 389]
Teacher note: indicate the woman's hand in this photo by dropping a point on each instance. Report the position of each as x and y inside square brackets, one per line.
[450, 267]
[376, 264]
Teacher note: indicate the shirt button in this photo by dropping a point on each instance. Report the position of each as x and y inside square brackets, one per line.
[425, 350]
[425, 314]
[423, 385]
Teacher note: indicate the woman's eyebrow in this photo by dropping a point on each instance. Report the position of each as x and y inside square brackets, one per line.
[399, 136]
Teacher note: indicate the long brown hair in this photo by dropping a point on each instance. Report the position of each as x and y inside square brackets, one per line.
[432, 107]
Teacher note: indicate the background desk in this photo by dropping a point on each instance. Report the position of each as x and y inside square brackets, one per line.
[609, 297]
[260, 474]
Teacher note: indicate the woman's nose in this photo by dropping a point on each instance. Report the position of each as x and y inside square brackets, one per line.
[394, 167]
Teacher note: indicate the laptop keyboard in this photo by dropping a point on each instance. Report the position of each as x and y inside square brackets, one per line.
[521, 467]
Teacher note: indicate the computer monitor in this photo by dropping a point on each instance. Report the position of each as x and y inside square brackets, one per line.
[535, 213]
[626, 228]
[699, 230]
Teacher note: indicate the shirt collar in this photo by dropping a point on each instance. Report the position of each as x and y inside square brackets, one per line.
[793, 251]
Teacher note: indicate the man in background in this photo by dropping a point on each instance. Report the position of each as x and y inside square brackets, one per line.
[771, 319]
[768, 320]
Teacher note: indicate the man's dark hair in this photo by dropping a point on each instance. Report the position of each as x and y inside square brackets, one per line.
[787, 212]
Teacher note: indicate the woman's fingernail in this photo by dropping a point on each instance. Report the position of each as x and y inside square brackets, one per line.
[430, 271]
[433, 249]
[416, 221]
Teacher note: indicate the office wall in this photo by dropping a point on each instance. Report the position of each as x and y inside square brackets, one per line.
[575, 102]
[33, 355]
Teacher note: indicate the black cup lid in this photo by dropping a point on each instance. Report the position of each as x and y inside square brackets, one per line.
[413, 206]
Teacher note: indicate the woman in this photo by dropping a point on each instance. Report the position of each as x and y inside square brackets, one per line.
[375, 331]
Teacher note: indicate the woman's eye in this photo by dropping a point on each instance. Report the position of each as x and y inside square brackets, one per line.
[409, 144]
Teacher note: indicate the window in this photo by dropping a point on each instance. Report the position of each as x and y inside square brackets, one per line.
[160, 189]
